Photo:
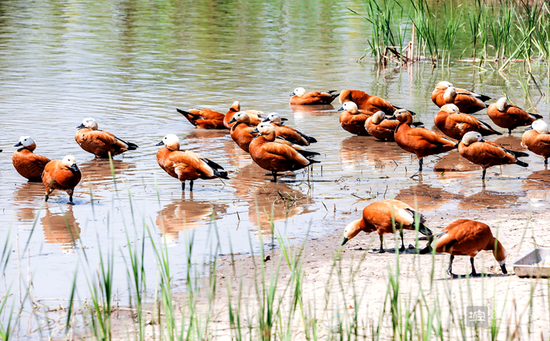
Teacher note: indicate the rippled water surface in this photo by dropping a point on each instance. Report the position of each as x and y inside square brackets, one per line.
[129, 64]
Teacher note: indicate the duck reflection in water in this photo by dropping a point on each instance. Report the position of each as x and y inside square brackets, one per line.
[99, 170]
[425, 197]
[359, 149]
[268, 202]
[27, 198]
[301, 111]
[61, 228]
[186, 214]
[537, 186]
[487, 199]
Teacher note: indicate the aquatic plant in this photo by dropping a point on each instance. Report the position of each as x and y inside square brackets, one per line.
[514, 31]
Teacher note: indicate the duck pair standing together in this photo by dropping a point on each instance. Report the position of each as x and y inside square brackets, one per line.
[461, 237]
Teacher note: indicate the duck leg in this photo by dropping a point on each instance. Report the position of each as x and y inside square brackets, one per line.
[46, 198]
[483, 174]
[191, 186]
[183, 186]
[381, 245]
[274, 176]
[420, 162]
[450, 268]
[474, 273]
[402, 248]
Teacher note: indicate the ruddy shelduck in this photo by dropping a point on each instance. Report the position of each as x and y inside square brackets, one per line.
[467, 101]
[367, 102]
[465, 237]
[100, 143]
[418, 140]
[61, 174]
[509, 116]
[537, 139]
[274, 156]
[388, 216]
[454, 124]
[487, 153]
[204, 118]
[186, 165]
[240, 130]
[26, 163]
[381, 127]
[352, 119]
[301, 97]
[255, 115]
[288, 133]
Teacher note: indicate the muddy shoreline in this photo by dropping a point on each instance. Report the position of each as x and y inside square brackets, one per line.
[356, 278]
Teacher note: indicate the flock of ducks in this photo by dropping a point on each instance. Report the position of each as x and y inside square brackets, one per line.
[276, 148]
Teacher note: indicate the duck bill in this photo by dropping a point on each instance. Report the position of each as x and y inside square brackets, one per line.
[74, 168]
[345, 241]
[341, 109]
[160, 144]
[284, 119]
[255, 131]
[529, 128]
[266, 120]
[80, 126]
[232, 120]
[18, 144]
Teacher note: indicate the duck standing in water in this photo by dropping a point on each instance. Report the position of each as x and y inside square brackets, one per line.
[467, 101]
[301, 97]
[381, 127]
[366, 102]
[240, 130]
[100, 143]
[455, 124]
[255, 115]
[204, 118]
[509, 116]
[486, 153]
[28, 164]
[288, 133]
[388, 216]
[537, 139]
[61, 174]
[418, 140]
[274, 156]
[353, 120]
[465, 237]
[186, 165]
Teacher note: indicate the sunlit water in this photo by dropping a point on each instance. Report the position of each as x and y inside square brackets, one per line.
[130, 64]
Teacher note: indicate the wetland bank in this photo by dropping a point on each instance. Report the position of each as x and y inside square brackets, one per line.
[135, 258]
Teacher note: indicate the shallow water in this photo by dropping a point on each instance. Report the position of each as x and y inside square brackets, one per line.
[130, 64]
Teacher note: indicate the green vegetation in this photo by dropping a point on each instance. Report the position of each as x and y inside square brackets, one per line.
[484, 30]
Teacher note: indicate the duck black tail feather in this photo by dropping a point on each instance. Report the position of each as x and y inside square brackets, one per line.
[307, 153]
[484, 98]
[521, 163]
[212, 164]
[519, 154]
[537, 116]
[222, 175]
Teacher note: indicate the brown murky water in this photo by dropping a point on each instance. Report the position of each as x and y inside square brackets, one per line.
[129, 65]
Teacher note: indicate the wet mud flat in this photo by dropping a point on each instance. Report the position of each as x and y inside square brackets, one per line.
[317, 288]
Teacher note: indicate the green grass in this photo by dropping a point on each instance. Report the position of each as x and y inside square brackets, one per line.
[500, 31]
